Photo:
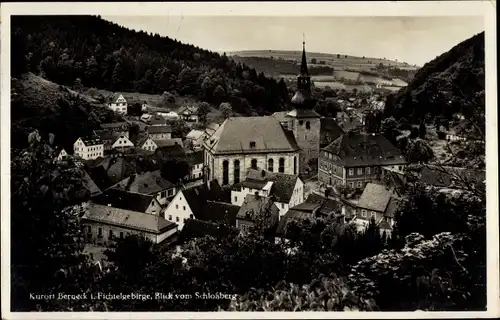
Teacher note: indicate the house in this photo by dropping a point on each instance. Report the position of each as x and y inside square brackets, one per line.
[192, 203]
[255, 208]
[377, 202]
[60, 154]
[115, 140]
[355, 159]
[171, 116]
[112, 169]
[104, 224]
[88, 148]
[149, 183]
[121, 128]
[189, 113]
[286, 190]
[160, 132]
[129, 201]
[194, 139]
[195, 160]
[120, 105]
[170, 152]
[168, 142]
[146, 143]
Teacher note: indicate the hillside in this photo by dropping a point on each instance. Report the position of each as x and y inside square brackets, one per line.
[97, 53]
[451, 83]
[37, 103]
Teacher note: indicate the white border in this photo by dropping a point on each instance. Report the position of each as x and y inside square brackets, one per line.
[392, 8]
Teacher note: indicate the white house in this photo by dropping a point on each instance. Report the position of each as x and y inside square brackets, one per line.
[160, 132]
[61, 154]
[147, 144]
[122, 142]
[194, 139]
[120, 105]
[88, 148]
[195, 160]
[286, 190]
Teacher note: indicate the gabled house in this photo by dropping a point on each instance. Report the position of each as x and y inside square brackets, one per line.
[122, 128]
[146, 143]
[204, 202]
[160, 132]
[88, 148]
[115, 140]
[120, 105]
[61, 154]
[157, 121]
[129, 201]
[104, 224]
[195, 138]
[285, 189]
[189, 113]
[255, 208]
[148, 183]
[169, 142]
[356, 158]
[195, 161]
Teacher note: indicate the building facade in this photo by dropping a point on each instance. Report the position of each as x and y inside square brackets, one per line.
[120, 105]
[88, 148]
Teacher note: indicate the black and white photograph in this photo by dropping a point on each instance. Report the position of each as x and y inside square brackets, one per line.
[224, 158]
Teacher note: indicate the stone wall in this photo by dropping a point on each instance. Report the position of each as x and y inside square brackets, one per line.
[307, 133]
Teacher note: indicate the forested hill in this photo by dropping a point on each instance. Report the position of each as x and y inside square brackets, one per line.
[104, 55]
[452, 82]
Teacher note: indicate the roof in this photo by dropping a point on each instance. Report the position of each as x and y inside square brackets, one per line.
[100, 177]
[393, 207]
[91, 141]
[145, 183]
[159, 129]
[194, 228]
[127, 219]
[108, 136]
[254, 205]
[281, 116]
[327, 205]
[219, 211]
[194, 134]
[196, 157]
[330, 126]
[115, 126]
[250, 135]
[212, 127]
[197, 197]
[116, 168]
[384, 225]
[303, 113]
[89, 184]
[289, 216]
[168, 142]
[375, 197]
[124, 200]
[435, 176]
[364, 149]
[171, 152]
[283, 184]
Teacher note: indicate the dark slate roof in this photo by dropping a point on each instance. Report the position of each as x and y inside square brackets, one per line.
[100, 177]
[169, 142]
[283, 184]
[435, 176]
[172, 152]
[254, 205]
[239, 134]
[159, 129]
[197, 198]
[290, 215]
[91, 141]
[145, 183]
[393, 207]
[375, 197]
[194, 228]
[291, 139]
[364, 149]
[219, 211]
[128, 219]
[330, 129]
[196, 157]
[115, 126]
[326, 205]
[125, 200]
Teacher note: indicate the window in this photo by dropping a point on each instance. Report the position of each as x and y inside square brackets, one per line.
[351, 172]
[363, 213]
[330, 156]
[360, 184]
[368, 170]
[121, 235]
[282, 206]
[295, 165]
[176, 219]
[235, 199]
[254, 163]
[225, 172]
[375, 170]
[170, 217]
[301, 122]
[308, 125]
[99, 232]
[270, 164]
[236, 171]
[163, 194]
[110, 234]
[190, 216]
[281, 167]
[184, 208]
[252, 144]
[400, 168]
[351, 185]
[184, 220]
[177, 206]
[170, 192]
[89, 229]
[360, 170]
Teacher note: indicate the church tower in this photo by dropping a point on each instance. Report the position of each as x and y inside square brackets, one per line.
[304, 122]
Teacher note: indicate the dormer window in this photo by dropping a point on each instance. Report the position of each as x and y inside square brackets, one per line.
[252, 144]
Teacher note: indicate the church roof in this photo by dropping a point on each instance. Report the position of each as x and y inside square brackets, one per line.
[251, 135]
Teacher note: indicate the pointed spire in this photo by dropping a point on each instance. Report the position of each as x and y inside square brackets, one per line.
[303, 65]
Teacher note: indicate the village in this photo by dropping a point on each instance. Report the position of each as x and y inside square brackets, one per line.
[292, 165]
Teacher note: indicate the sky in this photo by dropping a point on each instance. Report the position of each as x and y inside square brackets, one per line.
[415, 40]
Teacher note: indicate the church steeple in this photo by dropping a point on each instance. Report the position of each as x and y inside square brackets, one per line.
[303, 66]
[304, 80]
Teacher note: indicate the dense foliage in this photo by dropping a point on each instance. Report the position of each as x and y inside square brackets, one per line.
[453, 82]
[104, 55]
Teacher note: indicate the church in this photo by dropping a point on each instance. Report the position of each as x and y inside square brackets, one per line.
[286, 142]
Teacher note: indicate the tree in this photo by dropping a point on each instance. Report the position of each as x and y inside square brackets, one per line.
[175, 170]
[388, 128]
[226, 109]
[314, 61]
[419, 151]
[422, 130]
[203, 110]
